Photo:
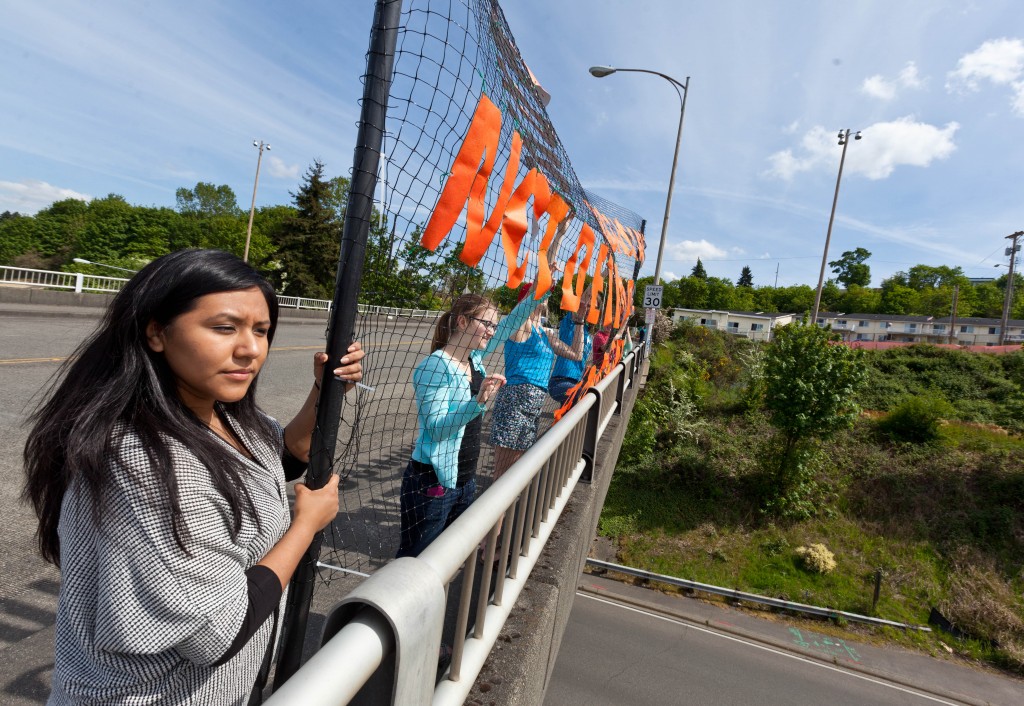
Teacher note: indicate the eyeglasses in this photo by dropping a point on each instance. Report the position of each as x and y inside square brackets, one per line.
[489, 325]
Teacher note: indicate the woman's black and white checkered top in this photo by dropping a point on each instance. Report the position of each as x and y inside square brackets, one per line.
[138, 620]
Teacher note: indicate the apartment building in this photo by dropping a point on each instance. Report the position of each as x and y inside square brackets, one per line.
[755, 325]
[964, 331]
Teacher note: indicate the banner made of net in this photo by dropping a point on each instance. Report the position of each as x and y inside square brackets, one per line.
[486, 258]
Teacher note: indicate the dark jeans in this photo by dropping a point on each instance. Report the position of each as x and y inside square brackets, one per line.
[558, 388]
[425, 514]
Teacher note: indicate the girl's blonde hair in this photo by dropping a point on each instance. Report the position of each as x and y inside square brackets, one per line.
[467, 305]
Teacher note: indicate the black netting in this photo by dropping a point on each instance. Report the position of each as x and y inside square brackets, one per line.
[451, 56]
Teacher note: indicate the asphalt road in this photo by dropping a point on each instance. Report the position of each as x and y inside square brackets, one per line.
[373, 453]
[614, 654]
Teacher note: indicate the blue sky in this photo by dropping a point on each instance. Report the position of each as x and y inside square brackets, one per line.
[139, 99]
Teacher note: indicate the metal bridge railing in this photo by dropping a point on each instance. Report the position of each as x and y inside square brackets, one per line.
[382, 640]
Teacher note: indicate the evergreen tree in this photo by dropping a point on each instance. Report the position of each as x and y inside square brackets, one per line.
[698, 270]
[746, 278]
[309, 243]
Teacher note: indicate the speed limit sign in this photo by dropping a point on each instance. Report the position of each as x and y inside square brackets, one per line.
[652, 296]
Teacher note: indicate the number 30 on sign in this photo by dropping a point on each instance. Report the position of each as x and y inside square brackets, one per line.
[652, 296]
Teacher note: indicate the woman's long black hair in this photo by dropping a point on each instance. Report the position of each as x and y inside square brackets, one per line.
[114, 377]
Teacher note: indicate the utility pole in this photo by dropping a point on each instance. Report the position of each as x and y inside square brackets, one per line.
[1008, 301]
[776, 275]
[952, 314]
[844, 140]
[252, 209]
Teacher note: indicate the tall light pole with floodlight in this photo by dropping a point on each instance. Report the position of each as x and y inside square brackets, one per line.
[844, 140]
[1008, 300]
[682, 90]
[252, 209]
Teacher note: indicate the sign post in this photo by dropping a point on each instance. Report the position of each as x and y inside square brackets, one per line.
[652, 302]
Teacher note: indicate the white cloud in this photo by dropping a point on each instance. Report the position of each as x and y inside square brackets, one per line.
[692, 249]
[31, 195]
[878, 86]
[278, 168]
[885, 146]
[999, 61]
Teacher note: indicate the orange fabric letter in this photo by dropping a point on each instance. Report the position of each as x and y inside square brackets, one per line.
[557, 210]
[571, 299]
[468, 176]
[598, 284]
[515, 225]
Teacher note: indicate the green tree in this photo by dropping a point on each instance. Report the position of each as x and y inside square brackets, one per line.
[107, 231]
[720, 293]
[809, 390]
[746, 278]
[743, 299]
[859, 300]
[19, 241]
[897, 297]
[850, 268]
[795, 300]
[988, 301]
[207, 200]
[309, 242]
[692, 292]
[927, 277]
[698, 270]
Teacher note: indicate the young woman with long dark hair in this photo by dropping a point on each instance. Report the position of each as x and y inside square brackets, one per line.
[160, 489]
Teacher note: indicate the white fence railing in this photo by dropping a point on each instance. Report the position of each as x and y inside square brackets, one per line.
[74, 281]
[80, 282]
[395, 618]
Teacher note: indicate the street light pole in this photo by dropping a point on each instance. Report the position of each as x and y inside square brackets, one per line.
[252, 209]
[101, 264]
[1008, 301]
[844, 140]
[682, 90]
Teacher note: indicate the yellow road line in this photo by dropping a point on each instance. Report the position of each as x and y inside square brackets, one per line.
[14, 361]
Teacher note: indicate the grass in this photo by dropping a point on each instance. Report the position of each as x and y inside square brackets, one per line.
[942, 520]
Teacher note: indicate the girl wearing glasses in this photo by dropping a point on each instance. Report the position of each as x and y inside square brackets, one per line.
[452, 390]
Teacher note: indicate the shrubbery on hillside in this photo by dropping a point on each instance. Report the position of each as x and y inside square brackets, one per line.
[941, 514]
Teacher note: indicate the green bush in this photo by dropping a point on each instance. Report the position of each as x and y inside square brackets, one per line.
[917, 418]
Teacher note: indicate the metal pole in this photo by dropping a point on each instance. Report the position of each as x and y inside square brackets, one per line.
[252, 208]
[952, 314]
[601, 72]
[341, 330]
[828, 234]
[1008, 301]
[672, 178]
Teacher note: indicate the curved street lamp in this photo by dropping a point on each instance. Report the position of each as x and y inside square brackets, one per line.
[844, 140]
[252, 209]
[682, 90]
[80, 261]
